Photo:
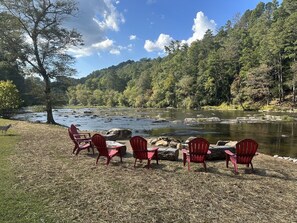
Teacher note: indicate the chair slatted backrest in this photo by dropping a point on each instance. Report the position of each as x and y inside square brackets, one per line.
[198, 148]
[74, 131]
[139, 147]
[71, 135]
[246, 150]
[100, 143]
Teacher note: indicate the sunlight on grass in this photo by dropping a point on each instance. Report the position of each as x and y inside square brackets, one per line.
[16, 205]
[223, 106]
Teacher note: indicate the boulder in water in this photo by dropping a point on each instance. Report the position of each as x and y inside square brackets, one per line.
[118, 134]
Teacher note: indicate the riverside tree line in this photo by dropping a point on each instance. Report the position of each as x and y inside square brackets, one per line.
[249, 62]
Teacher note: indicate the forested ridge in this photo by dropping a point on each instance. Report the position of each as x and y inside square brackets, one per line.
[249, 62]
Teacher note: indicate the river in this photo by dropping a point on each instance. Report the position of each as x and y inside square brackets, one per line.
[274, 137]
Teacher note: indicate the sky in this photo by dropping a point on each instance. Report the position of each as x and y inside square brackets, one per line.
[115, 31]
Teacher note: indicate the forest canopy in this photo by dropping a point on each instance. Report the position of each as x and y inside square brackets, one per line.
[249, 62]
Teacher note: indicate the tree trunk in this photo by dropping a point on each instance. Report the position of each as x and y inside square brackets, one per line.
[294, 90]
[294, 83]
[280, 79]
[48, 101]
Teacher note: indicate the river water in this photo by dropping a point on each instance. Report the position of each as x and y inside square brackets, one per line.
[274, 137]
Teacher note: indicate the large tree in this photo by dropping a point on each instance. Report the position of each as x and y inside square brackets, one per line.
[44, 39]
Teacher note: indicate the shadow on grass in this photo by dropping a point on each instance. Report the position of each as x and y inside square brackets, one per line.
[10, 134]
[279, 174]
[248, 174]
[91, 155]
[245, 173]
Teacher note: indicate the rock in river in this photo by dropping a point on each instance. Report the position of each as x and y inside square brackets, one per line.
[118, 134]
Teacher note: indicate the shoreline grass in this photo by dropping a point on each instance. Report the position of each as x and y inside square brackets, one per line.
[51, 185]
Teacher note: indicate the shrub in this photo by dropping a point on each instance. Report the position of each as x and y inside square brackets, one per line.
[9, 98]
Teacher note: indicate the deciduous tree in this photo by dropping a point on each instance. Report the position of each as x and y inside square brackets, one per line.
[44, 39]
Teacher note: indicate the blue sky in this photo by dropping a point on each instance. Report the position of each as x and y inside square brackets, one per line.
[115, 31]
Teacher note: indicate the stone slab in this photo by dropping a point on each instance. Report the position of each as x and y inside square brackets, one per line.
[168, 154]
[218, 152]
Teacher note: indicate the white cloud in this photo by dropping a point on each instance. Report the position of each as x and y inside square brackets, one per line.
[80, 52]
[201, 25]
[132, 37]
[115, 51]
[159, 45]
[94, 18]
[110, 18]
[130, 47]
[105, 44]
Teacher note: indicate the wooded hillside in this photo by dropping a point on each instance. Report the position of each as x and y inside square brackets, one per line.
[249, 62]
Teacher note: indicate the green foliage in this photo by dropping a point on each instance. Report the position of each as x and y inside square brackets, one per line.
[44, 53]
[38, 108]
[287, 118]
[257, 84]
[9, 98]
[9, 68]
[224, 106]
[249, 62]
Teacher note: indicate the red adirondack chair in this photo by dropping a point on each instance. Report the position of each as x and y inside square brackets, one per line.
[83, 135]
[198, 148]
[81, 140]
[245, 151]
[100, 143]
[141, 152]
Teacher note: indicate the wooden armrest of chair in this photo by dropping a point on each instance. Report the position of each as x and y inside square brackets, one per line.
[86, 134]
[228, 152]
[78, 135]
[84, 141]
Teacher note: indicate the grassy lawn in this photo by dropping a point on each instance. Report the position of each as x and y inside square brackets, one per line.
[42, 182]
[16, 204]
